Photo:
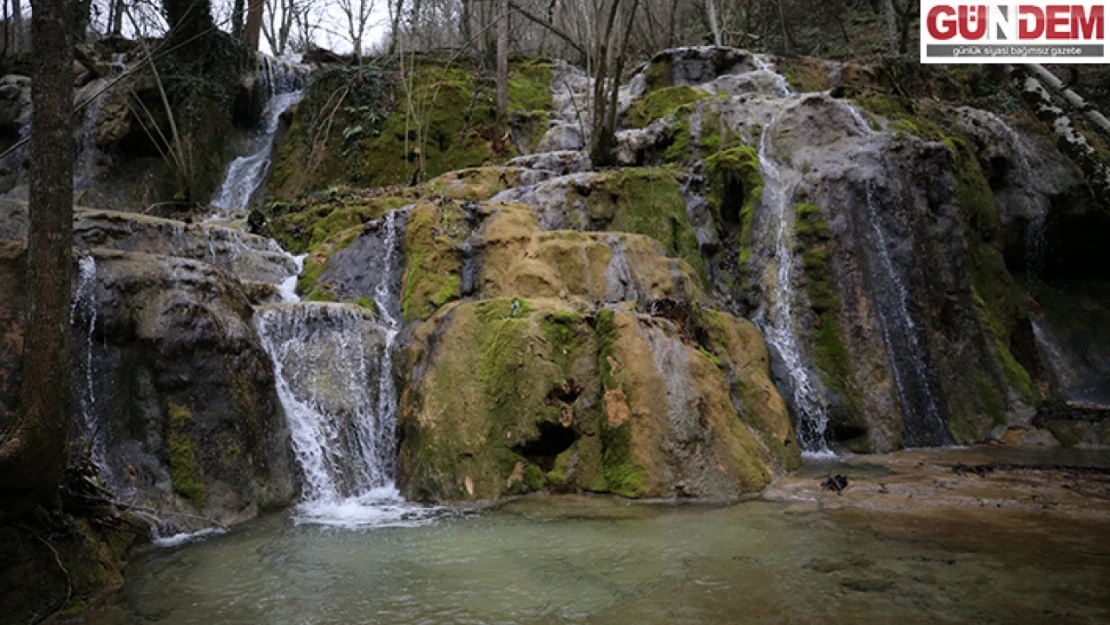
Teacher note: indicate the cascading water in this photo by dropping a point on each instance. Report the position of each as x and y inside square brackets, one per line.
[782, 86]
[333, 371]
[776, 318]
[283, 82]
[85, 167]
[83, 314]
[921, 410]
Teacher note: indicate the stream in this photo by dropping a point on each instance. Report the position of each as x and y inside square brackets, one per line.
[601, 560]
[353, 551]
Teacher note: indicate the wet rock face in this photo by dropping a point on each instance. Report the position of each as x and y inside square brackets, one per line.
[572, 400]
[696, 65]
[906, 223]
[243, 255]
[173, 394]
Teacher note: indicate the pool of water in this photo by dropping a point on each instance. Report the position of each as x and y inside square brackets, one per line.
[598, 560]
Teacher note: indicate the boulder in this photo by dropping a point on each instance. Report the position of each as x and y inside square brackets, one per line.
[173, 394]
[570, 399]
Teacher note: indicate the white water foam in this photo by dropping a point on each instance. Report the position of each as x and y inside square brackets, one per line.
[185, 538]
[378, 507]
[776, 319]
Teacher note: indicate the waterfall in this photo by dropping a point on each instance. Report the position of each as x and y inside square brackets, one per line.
[776, 317]
[85, 166]
[334, 375]
[782, 86]
[327, 358]
[83, 313]
[283, 83]
[1036, 244]
[921, 410]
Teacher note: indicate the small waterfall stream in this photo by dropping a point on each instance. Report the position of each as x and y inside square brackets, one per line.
[332, 362]
[921, 410]
[334, 373]
[83, 313]
[284, 83]
[776, 317]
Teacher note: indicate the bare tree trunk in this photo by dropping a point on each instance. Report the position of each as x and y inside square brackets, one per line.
[254, 24]
[503, 61]
[33, 457]
[117, 22]
[891, 27]
[1070, 141]
[464, 22]
[17, 25]
[237, 19]
[711, 12]
[1090, 112]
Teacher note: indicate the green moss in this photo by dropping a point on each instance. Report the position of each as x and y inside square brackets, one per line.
[306, 224]
[660, 103]
[534, 478]
[714, 135]
[679, 144]
[644, 201]
[714, 358]
[919, 127]
[830, 352]
[998, 298]
[881, 104]
[314, 267]
[623, 475]
[904, 120]
[374, 143]
[432, 262]
[369, 304]
[735, 190]
[185, 471]
[561, 328]
[658, 75]
[501, 308]
[606, 335]
[805, 74]
[529, 84]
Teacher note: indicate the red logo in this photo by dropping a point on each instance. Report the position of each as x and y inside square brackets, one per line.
[1071, 22]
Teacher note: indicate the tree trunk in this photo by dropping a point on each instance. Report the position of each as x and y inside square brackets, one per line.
[503, 61]
[189, 19]
[464, 23]
[251, 34]
[711, 13]
[80, 22]
[891, 27]
[1090, 112]
[17, 25]
[1068, 139]
[237, 19]
[118, 21]
[33, 457]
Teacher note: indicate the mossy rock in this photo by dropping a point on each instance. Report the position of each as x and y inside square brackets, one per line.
[661, 103]
[303, 225]
[520, 259]
[830, 351]
[376, 144]
[735, 190]
[433, 262]
[185, 471]
[643, 201]
[515, 395]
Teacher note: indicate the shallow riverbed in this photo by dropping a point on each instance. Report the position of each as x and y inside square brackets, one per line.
[599, 560]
